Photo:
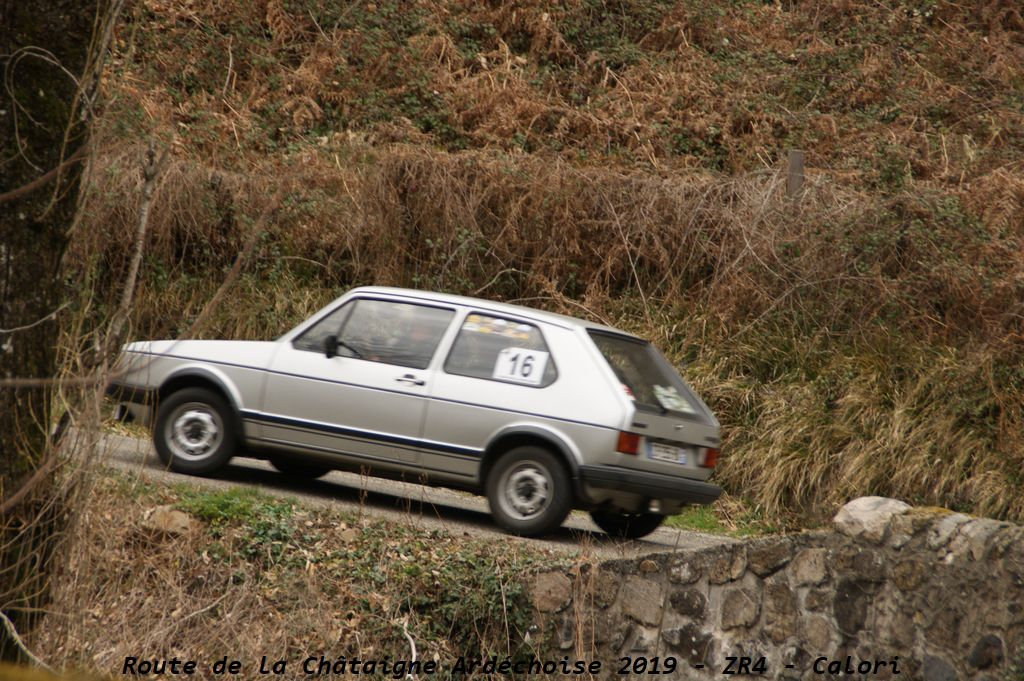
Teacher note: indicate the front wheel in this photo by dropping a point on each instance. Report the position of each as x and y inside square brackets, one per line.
[528, 491]
[193, 432]
[627, 525]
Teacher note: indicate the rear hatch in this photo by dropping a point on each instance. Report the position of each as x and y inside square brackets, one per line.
[677, 433]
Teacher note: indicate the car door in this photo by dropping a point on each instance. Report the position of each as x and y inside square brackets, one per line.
[366, 403]
[495, 373]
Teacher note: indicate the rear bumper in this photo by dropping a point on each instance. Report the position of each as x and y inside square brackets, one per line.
[650, 485]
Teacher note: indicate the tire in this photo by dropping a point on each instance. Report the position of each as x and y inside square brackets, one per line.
[194, 432]
[528, 491]
[297, 468]
[623, 525]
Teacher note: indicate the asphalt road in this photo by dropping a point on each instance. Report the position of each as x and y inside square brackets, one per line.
[426, 507]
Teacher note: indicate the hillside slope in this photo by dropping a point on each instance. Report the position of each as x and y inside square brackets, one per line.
[622, 160]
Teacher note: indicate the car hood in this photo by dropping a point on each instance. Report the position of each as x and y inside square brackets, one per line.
[247, 353]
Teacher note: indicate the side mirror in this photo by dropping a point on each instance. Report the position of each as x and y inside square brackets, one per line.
[331, 346]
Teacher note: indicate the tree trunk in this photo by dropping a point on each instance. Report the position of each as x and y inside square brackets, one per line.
[40, 127]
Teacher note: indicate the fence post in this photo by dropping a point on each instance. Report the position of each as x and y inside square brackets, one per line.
[795, 176]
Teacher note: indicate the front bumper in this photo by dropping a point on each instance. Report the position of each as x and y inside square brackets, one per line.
[135, 404]
[122, 392]
[650, 485]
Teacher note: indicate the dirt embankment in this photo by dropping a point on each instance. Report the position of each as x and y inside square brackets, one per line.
[162, 572]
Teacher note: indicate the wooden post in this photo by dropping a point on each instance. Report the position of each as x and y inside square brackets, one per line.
[795, 177]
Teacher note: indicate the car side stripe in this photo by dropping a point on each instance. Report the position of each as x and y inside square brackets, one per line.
[359, 433]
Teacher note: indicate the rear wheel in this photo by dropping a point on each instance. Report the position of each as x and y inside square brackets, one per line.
[627, 525]
[296, 468]
[528, 491]
[193, 432]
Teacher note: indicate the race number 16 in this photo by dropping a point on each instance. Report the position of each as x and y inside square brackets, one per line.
[521, 365]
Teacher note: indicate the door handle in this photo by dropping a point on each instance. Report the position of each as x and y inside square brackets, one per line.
[411, 380]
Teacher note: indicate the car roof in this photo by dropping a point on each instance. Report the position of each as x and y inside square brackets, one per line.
[492, 306]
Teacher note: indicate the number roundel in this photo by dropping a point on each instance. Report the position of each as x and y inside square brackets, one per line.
[521, 365]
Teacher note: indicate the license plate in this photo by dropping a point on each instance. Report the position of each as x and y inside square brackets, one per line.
[663, 452]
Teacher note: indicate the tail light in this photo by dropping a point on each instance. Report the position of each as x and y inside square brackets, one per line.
[710, 458]
[629, 443]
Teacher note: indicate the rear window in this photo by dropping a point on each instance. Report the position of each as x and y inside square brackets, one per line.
[646, 377]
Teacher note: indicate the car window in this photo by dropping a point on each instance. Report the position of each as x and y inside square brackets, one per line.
[647, 377]
[501, 350]
[314, 337]
[393, 333]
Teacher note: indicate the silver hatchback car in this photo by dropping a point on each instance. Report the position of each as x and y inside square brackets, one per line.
[541, 412]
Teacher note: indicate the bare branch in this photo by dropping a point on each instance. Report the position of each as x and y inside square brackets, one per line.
[41, 473]
[93, 379]
[42, 179]
[52, 315]
[9, 626]
[236, 268]
[412, 644]
[151, 170]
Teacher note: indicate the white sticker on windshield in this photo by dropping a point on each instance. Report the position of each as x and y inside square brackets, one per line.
[521, 365]
[670, 398]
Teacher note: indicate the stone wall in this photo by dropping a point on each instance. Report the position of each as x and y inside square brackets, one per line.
[939, 594]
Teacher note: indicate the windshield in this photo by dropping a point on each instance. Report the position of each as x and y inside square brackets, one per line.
[647, 377]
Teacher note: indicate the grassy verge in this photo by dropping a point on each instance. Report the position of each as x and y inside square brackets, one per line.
[728, 516]
[246, 575]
